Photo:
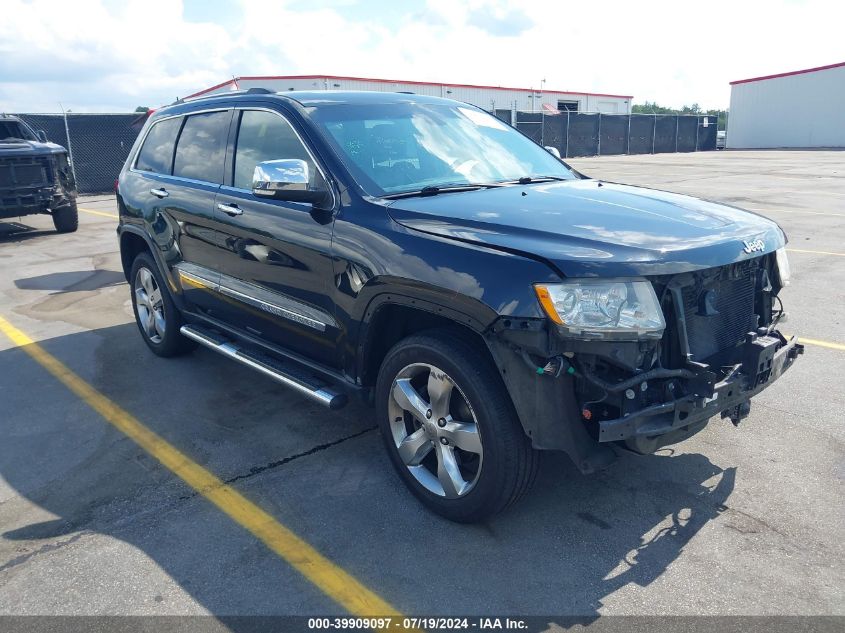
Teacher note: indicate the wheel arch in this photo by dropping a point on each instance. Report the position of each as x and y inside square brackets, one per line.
[392, 316]
[131, 244]
[133, 240]
[544, 405]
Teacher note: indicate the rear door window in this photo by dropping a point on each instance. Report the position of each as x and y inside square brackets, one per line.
[156, 155]
[201, 150]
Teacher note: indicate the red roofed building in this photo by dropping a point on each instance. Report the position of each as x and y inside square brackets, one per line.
[487, 97]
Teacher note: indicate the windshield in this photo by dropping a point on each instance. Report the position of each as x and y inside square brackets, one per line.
[394, 148]
[11, 130]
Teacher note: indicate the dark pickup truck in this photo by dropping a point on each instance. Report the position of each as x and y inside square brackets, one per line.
[489, 300]
[35, 176]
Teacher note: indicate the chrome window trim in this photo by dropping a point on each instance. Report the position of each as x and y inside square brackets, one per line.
[133, 169]
[190, 180]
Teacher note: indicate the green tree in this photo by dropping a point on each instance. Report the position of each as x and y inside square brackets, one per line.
[142, 109]
[650, 107]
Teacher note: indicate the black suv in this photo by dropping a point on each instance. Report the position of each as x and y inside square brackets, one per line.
[35, 176]
[488, 299]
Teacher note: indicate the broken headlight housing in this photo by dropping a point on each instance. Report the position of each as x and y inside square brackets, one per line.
[619, 309]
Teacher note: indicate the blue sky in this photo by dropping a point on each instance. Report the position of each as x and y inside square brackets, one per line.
[112, 55]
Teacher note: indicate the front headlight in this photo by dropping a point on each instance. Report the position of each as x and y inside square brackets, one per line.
[783, 266]
[602, 308]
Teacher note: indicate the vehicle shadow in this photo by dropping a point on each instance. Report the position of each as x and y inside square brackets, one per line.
[574, 541]
[18, 232]
[646, 509]
[72, 281]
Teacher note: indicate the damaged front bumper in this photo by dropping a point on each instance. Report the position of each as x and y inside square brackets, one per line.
[38, 184]
[550, 398]
[19, 202]
[764, 359]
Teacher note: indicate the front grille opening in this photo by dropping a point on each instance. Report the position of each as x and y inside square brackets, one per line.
[719, 309]
[25, 172]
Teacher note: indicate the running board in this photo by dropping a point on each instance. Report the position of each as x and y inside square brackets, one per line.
[279, 371]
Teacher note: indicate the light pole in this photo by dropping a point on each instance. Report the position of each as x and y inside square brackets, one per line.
[542, 114]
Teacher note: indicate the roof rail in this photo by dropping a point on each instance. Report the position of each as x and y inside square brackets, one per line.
[247, 91]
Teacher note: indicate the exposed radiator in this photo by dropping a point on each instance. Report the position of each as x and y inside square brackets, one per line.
[720, 311]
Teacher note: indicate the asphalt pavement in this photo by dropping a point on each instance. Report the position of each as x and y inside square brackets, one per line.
[736, 521]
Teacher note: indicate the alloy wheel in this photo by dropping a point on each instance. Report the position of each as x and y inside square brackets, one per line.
[435, 430]
[149, 305]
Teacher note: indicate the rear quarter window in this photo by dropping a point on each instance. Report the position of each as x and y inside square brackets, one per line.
[156, 154]
[201, 150]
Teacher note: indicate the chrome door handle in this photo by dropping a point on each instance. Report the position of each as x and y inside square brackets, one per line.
[159, 193]
[230, 209]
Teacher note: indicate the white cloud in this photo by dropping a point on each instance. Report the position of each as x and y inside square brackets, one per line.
[101, 55]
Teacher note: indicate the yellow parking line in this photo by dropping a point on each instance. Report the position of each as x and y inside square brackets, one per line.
[102, 213]
[803, 250]
[336, 583]
[812, 341]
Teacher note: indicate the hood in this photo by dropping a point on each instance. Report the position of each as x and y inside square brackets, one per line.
[29, 148]
[588, 228]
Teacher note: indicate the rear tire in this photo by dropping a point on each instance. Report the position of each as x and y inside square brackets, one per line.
[66, 218]
[156, 315]
[486, 462]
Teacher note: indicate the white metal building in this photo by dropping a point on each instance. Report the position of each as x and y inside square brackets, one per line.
[487, 97]
[803, 108]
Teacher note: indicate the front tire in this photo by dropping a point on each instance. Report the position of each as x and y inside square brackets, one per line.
[450, 427]
[156, 315]
[66, 218]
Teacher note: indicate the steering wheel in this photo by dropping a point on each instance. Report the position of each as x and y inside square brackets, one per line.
[403, 172]
[464, 167]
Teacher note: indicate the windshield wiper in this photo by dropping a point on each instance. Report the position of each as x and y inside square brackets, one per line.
[526, 180]
[432, 190]
[12, 138]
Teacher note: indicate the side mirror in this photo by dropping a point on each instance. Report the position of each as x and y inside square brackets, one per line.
[553, 151]
[42, 135]
[285, 179]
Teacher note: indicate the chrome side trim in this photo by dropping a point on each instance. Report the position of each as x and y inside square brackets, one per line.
[196, 275]
[276, 303]
[272, 308]
[261, 298]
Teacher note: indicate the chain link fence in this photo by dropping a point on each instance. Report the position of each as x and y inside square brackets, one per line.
[596, 134]
[98, 144]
